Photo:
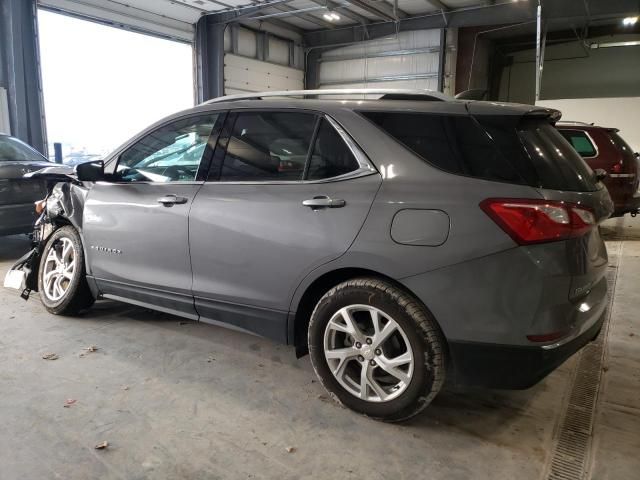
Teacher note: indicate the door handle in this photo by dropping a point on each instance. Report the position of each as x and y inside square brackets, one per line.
[171, 200]
[324, 202]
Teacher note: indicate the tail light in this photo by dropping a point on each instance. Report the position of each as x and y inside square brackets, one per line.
[539, 221]
[617, 167]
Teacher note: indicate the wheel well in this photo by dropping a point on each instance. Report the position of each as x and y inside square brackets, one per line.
[317, 289]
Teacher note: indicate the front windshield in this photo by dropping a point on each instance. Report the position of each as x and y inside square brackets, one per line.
[13, 150]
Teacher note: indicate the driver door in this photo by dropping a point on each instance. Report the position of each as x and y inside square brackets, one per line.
[135, 226]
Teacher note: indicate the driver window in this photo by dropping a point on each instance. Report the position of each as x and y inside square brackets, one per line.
[170, 154]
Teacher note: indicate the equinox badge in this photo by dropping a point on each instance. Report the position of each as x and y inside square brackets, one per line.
[113, 251]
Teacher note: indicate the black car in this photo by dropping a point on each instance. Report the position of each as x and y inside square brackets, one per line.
[17, 193]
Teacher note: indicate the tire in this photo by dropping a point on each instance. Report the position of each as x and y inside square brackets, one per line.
[72, 295]
[415, 335]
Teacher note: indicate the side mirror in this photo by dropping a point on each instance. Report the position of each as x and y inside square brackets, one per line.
[90, 171]
[600, 174]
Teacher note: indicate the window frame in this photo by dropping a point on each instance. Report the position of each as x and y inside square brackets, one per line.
[365, 166]
[589, 137]
[111, 164]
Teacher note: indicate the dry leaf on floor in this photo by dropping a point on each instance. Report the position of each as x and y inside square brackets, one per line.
[91, 348]
[50, 356]
[69, 402]
[291, 449]
[126, 387]
[102, 445]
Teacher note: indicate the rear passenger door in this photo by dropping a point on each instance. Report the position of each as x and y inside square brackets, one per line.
[287, 192]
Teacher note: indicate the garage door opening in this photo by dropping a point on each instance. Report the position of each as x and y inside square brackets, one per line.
[101, 85]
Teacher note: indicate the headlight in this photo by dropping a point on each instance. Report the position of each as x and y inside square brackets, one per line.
[53, 207]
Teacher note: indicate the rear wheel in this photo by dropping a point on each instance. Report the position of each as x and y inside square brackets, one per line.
[376, 349]
[62, 281]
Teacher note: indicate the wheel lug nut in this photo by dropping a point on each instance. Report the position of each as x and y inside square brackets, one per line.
[378, 351]
[369, 341]
[372, 363]
[358, 345]
[360, 358]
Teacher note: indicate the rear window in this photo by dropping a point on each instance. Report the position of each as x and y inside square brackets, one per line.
[580, 141]
[558, 165]
[498, 148]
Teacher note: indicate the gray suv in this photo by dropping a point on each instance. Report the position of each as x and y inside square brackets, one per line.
[400, 240]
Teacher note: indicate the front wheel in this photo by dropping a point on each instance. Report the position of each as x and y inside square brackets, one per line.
[376, 349]
[62, 281]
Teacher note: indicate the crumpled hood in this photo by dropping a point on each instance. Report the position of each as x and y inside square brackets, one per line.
[53, 172]
[13, 170]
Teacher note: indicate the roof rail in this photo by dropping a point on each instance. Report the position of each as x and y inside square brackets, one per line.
[385, 93]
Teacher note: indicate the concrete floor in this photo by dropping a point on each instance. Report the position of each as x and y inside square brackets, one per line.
[183, 400]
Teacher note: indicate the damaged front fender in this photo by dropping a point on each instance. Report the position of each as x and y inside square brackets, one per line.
[64, 205]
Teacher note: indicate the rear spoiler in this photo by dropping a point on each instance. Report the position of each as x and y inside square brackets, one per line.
[552, 114]
[515, 111]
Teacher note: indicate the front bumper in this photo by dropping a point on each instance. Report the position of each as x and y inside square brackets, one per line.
[509, 366]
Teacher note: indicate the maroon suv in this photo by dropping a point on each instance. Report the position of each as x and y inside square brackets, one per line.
[603, 148]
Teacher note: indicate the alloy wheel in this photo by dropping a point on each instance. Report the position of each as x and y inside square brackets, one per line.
[368, 353]
[59, 269]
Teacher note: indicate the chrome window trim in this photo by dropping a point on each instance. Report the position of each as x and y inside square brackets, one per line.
[146, 182]
[360, 156]
[347, 176]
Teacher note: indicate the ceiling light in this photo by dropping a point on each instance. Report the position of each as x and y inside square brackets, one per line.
[331, 16]
[629, 21]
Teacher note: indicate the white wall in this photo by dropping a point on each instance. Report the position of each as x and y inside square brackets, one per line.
[357, 73]
[570, 72]
[622, 113]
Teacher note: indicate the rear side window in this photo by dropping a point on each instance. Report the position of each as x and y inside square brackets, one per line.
[331, 157]
[505, 148]
[268, 146]
[455, 144]
[580, 141]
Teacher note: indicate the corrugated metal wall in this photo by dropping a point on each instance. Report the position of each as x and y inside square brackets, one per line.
[261, 62]
[408, 60]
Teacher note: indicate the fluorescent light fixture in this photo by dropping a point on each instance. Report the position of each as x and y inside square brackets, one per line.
[629, 21]
[331, 16]
[634, 43]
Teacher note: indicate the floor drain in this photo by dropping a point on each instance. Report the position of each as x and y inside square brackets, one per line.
[573, 439]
